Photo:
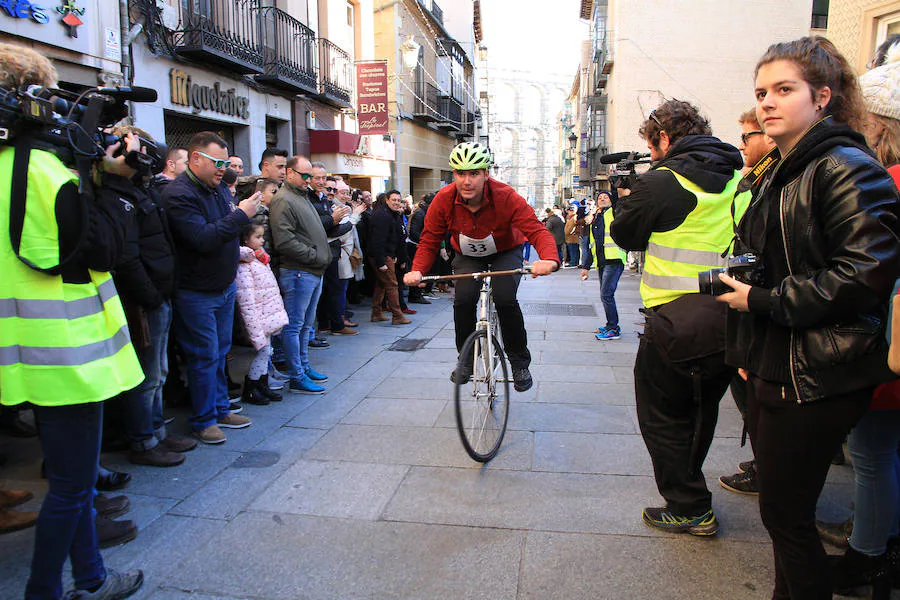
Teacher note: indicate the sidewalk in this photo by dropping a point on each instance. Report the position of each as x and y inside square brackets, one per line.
[366, 492]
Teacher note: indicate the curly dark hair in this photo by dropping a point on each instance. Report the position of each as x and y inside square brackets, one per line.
[677, 118]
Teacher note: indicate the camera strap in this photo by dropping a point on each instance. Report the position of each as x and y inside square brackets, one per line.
[17, 207]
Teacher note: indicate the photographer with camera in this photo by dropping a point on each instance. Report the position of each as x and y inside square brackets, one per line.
[811, 329]
[679, 212]
[64, 345]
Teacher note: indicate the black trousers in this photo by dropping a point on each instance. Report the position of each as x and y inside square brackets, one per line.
[676, 430]
[327, 312]
[465, 302]
[794, 444]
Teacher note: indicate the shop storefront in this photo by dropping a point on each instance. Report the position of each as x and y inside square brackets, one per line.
[192, 99]
[364, 161]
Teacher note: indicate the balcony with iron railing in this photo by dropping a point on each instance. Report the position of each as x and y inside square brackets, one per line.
[290, 54]
[224, 32]
[335, 74]
[425, 104]
[435, 10]
[450, 113]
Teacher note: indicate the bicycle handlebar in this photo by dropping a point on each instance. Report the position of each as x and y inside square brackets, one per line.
[520, 271]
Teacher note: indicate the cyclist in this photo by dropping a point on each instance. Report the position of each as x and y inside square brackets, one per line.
[486, 220]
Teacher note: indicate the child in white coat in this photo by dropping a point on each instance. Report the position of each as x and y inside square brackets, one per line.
[262, 309]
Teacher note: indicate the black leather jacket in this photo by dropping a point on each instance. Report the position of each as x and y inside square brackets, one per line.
[837, 212]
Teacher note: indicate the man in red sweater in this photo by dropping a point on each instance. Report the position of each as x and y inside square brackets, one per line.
[486, 220]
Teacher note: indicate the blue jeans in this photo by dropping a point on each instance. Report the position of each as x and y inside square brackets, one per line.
[609, 280]
[203, 322]
[561, 251]
[572, 251]
[143, 406]
[301, 296]
[70, 440]
[526, 250]
[342, 298]
[873, 447]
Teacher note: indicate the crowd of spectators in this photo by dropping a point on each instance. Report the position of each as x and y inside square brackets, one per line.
[273, 260]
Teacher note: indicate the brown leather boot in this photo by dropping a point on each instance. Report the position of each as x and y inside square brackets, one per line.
[399, 321]
[14, 520]
[10, 498]
[378, 317]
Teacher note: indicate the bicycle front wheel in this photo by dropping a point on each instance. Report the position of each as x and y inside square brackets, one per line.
[482, 402]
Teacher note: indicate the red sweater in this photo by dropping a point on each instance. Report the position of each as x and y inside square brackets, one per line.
[887, 396]
[504, 214]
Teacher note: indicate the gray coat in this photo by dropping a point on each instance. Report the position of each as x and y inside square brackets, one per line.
[297, 232]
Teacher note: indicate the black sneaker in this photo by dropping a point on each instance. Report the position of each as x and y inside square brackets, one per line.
[114, 533]
[116, 586]
[465, 375]
[522, 380]
[747, 465]
[665, 520]
[742, 483]
[235, 407]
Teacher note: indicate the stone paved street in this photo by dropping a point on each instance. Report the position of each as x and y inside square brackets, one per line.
[366, 492]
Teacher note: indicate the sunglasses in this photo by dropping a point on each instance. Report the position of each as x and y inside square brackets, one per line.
[303, 176]
[330, 189]
[655, 120]
[217, 162]
[750, 134]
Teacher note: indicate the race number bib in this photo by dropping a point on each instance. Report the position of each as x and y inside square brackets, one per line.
[472, 247]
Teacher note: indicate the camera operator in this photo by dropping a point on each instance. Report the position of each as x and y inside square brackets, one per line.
[679, 212]
[67, 346]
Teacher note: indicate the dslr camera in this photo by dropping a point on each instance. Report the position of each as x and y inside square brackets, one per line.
[746, 268]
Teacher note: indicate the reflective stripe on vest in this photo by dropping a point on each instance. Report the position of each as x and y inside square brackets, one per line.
[610, 250]
[674, 258]
[60, 343]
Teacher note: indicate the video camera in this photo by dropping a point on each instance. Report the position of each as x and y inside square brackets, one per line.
[71, 125]
[623, 173]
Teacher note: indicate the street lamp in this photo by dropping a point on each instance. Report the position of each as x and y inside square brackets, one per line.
[573, 141]
[409, 53]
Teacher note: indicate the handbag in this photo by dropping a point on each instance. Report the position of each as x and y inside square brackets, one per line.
[355, 258]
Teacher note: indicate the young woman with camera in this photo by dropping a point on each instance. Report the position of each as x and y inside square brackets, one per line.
[825, 222]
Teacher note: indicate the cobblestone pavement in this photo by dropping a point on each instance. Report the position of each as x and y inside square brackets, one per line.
[366, 492]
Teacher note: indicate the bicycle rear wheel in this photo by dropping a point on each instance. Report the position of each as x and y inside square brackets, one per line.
[482, 402]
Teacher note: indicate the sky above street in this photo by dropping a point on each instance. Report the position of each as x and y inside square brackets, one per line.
[533, 35]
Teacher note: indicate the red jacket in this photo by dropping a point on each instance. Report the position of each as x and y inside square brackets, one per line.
[504, 214]
[887, 395]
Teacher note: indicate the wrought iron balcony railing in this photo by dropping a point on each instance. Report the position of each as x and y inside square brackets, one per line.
[290, 54]
[335, 74]
[225, 32]
[450, 112]
[425, 105]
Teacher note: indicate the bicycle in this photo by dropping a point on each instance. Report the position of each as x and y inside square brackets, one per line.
[481, 391]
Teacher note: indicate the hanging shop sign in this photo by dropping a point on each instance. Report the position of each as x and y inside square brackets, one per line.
[204, 97]
[372, 97]
[70, 16]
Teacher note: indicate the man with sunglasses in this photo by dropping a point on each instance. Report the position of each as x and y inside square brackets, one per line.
[336, 223]
[205, 229]
[679, 212]
[302, 245]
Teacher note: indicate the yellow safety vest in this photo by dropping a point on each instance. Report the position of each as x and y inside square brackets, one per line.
[674, 258]
[610, 250]
[60, 343]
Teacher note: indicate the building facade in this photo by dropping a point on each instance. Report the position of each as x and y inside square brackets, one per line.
[638, 59]
[83, 38]
[432, 99]
[857, 27]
